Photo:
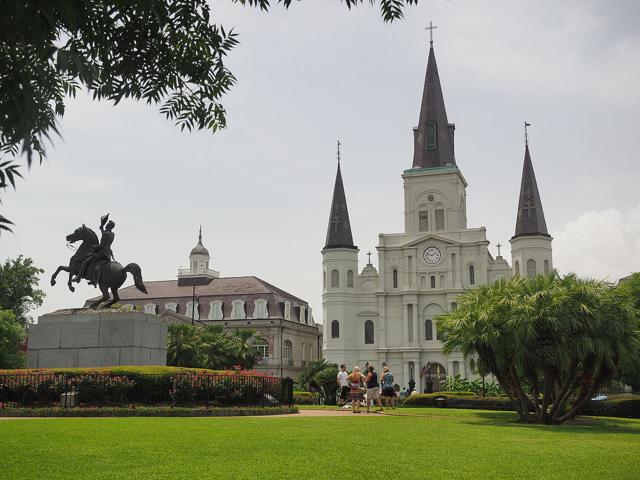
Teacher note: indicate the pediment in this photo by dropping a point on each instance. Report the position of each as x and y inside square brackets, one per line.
[431, 236]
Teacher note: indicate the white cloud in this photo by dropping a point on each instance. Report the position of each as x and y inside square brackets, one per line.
[600, 244]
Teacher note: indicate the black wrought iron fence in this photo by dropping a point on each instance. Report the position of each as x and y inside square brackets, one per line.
[71, 390]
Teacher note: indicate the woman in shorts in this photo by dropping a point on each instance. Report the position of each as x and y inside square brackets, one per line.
[355, 379]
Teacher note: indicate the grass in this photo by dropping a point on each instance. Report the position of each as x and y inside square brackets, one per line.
[412, 443]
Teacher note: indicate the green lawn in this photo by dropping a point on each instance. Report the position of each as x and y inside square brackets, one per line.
[415, 443]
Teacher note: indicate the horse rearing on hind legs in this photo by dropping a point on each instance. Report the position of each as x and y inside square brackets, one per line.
[107, 274]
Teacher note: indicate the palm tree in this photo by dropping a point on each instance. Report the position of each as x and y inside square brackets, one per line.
[243, 350]
[215, 348]
[183, 348]
[551, 341]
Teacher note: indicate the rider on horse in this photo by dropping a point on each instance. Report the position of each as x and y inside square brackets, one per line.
[101, 252]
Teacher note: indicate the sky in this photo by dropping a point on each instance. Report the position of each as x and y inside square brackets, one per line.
[317, 73]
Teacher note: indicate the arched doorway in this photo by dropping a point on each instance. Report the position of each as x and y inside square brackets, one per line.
[434, 375]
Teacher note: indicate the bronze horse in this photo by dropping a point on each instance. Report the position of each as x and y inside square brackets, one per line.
[111, 274]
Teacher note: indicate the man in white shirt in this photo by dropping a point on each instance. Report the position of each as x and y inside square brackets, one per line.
[343, 384]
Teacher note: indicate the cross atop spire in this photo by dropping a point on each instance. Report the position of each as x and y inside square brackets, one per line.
[200, 234]
[369, 255]
[339, 152]
[526, 134]
[431, 28]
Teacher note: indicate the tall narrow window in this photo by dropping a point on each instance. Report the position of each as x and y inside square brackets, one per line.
[531, 268]
[516, 268]
[350, 279]
[423, 282]
[546, 267]
[428, 330]
[324, 279]
[433, 281]
[441, 281]
[335, 278]
[456, 368]
[423, 220]
[431, 136]
[472, 275]
[335, 329]
[395, 278]
[287, 351]
[262, 347]
[368, 332]
[454, 266]
[439, 219]
[454, 306]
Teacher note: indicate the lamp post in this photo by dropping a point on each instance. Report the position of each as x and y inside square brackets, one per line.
[429, 382]
[193, 304]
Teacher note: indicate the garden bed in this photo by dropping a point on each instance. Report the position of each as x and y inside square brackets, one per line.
[145, 412]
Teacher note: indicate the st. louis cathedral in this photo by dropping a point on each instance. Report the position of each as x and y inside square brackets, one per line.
[389, 314]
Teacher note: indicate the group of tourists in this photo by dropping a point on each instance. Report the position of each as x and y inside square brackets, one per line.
[365, 388]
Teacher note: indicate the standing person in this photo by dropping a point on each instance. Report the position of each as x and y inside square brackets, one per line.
[388, 392]
[355, 379]
[343, 384]
[373, 389]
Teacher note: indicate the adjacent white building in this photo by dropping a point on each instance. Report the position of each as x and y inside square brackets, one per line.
[389, 314]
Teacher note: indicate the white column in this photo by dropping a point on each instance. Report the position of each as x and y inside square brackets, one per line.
[415, 323]
[417, 378]
[405, 380]
[405, 324]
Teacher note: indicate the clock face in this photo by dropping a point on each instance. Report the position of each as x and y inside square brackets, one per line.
[432, 255]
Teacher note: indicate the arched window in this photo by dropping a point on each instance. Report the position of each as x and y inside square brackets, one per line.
[454, 266]
[546, 267]
[456, 368]
[431, 142]
[439, 219]
[428, 330]
[350, 279]
[368, 332]
[423, 220]
[516, 268]
[395, 278]
[324, 279]
[531, 268]
[304, 353]
[335, 278]
[472, 275]
[423, 282]
[433, 281]
[150, 308]
[287, 350]
[335, 329]
[441, 281]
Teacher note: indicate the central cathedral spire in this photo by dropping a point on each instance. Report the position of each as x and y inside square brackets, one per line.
[433, 137]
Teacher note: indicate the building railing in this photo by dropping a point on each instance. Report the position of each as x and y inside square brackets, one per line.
[71, 390]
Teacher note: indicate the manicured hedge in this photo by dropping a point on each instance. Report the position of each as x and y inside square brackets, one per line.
[303, 398]
[145, 412]
[117, 371]
[627, 406]
[448, 399]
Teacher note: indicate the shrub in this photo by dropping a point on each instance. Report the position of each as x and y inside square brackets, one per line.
[303, 398]
[620, 406]
[465, 400]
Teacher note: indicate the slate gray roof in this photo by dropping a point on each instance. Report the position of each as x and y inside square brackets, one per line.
[432, 110]
[218, 287]
[530, 219]
[339, 229]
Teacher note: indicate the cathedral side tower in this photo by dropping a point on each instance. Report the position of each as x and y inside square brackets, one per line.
[531, 251]
[340, 278]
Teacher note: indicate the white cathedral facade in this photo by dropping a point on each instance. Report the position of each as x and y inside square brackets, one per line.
[389, 314]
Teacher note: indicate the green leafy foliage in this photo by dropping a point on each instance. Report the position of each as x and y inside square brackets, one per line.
[12, 337]
[162, 52]
[319, 376]
[18, 288]
[209, 347]
[458, 384]
[551, 341]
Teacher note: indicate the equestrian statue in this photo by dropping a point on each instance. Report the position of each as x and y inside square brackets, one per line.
[94, 262]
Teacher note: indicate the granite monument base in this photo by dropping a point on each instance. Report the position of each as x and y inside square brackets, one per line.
[97, 338]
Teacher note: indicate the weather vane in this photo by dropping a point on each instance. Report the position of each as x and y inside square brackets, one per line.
[526, 134]
[338, 151]
[431, 28]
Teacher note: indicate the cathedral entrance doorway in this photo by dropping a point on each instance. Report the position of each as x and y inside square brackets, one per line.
[434, 376]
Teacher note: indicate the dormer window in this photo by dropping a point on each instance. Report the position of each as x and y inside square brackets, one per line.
[430, 144]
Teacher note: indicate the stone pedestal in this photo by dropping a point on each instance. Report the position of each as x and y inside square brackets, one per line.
[97, 338]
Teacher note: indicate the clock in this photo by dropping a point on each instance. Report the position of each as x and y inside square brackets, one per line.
[432, 255]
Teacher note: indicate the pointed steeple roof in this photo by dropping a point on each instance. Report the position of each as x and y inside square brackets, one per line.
[433, 137]
[199, 249]
[530, 219]
[339, 229]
